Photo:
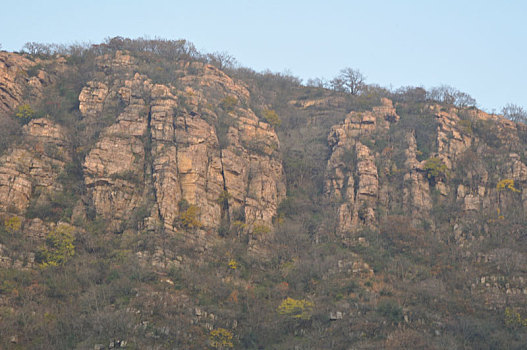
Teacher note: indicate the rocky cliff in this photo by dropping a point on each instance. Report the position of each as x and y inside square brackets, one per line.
[150, 198]
[167, 148]
[355, 179]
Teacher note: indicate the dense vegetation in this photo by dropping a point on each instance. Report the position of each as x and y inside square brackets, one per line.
[311, 290]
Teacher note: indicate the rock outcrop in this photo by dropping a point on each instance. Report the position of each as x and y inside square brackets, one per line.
[154, 150]
[16, 84]
[12, 79]
[164, 153]
[34, 165]
[361, 177]
[416, 191]
[352, 175]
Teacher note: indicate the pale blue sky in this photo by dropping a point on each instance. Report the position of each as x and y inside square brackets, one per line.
[479, 47]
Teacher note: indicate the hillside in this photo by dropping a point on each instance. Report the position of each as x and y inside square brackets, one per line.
[153, 197]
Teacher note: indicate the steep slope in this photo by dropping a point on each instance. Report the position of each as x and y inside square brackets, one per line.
[149, 199]
[468, 189]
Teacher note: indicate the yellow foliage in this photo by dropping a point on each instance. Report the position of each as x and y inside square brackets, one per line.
[233, 264]
[224, 198]
[25, 112]
[507, 184]
[513, 319]
[271, 117]
[221, 338]
[301, 309]
[58, 248]
[13, 224]
[188, 218]
[239, 224]
[239, 227]
[260, 229]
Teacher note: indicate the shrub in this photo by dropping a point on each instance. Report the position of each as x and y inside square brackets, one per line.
[58, 247]
[435, 169]
[223, 198]
[300, 309]
[466, 126]
[188, 215]
[272, 118]
[55, 207]
[13, 224]
[233, 264]
[128, 175]
[260, 229]
[513, 319]
[228, 103]
[221, 338]
[507, 184]
[391, 310]
[25, 113]
[9, 132]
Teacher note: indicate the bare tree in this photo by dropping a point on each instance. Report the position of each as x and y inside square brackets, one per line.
[34, 48]
[449, 95]
[318, 82]
[410, 94]
[221, 60]
[463, 99]
[508, 260]
[515, 113]
[349, 80]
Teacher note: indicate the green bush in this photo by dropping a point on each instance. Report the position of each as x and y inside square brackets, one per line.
[436, 170]
[391, 310]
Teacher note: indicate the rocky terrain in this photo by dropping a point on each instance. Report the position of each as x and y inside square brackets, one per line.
[162, 148]
[185, 206]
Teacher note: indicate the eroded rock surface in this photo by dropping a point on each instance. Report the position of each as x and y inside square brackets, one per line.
[163, 151]
[462, 139]
[33, 164]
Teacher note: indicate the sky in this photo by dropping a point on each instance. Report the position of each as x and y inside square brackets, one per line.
[478, 47]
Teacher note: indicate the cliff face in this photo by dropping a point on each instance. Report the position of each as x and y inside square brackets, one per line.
[355, 180]
[352, 175]
[160, 149]
[31, 169]
[20, 79]
[475, 174]
[166, 148]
